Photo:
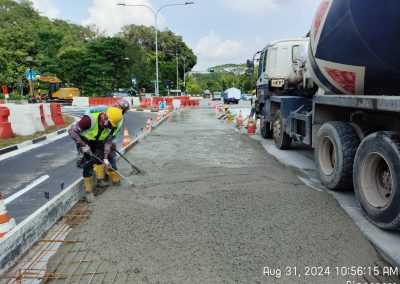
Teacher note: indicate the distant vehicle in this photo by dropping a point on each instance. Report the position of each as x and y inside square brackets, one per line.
[118, 95]
[217, 96]
[207, 94]
[246, 97]
[231, 95]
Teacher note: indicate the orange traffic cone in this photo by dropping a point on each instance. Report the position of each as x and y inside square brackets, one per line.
[158, 117]
[239, 120]
[148, 124]
[250, 127]
[6, 223]
[126, 139]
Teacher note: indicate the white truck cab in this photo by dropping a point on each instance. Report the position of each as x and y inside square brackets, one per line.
[279, 64]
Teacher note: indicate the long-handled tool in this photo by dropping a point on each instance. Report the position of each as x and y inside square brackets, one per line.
[138, 170]
[124, 177]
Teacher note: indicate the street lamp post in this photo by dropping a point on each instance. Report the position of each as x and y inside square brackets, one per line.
[155, 14]
[177, 71]
[29, 59]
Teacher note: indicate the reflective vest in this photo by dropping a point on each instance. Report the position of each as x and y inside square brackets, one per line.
[92, 132]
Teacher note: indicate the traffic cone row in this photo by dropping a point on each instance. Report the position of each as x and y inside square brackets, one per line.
[239, 120]
[148, 124]
[250, 127]
[6, 223]
[126, 139]
[158, 117]
[166, 112]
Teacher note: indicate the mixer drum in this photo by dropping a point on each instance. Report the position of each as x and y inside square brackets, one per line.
[355, 47]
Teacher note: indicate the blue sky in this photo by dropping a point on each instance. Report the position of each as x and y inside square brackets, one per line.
[218, 31]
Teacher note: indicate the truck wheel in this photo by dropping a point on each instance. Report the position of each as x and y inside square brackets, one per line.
[281, 138]
[335, 147]
[265, 128]
[377, 179]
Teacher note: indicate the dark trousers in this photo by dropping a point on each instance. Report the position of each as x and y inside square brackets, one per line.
[88, 161]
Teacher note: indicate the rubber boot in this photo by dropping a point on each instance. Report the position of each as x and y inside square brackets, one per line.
[101, 181]
[88, 182]
[114, 177]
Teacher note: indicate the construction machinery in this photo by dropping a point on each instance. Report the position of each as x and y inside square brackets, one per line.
[337, 91]
[53, 89]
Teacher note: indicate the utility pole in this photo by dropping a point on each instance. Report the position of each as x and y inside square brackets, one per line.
[177, 71]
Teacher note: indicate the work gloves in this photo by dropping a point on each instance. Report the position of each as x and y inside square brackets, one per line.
[107, 164]
[86, 149]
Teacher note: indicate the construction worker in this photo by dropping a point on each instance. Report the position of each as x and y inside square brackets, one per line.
[93, 135]
[252, 111]
[123, 105]
[227, 112]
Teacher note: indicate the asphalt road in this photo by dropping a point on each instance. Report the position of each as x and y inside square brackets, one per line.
[48, 168]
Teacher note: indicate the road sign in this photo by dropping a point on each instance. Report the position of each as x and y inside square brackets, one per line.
[30, 75]
[134, 81]
[161, 105]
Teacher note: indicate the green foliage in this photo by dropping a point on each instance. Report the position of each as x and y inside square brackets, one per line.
[168, 45]
[83, 56]
[218, 82]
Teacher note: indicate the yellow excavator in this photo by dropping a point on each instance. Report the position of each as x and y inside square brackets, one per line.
[54, 89]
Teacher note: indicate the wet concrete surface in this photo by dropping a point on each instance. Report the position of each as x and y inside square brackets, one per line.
[214, 207]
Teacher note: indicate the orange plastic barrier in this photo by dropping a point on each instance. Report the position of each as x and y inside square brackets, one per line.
[5, 125]
[56, 114]
[42, 117]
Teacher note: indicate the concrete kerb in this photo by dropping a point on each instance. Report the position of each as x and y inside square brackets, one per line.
[25, 234]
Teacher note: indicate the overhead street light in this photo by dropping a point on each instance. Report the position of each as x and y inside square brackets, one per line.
[155, 14]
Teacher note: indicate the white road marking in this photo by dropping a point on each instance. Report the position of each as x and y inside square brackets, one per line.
[32, 146]
[26, 189]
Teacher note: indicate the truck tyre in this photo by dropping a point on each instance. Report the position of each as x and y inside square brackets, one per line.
[335, 147]
[364, 128]
[265, 128]
[281, 138]
[377, 179]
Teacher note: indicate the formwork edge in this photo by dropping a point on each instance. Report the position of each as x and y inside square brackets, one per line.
[23, 236]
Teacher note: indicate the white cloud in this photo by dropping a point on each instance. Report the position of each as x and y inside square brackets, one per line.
[110, 17]
[211, 50]
[47, 8]
[254, 7]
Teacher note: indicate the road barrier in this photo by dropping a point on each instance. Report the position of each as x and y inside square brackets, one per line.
[56, 114]
[21, 118]
[135, 101]
[42, 117]
[5, 125]
[37, 118]
[47, 114]
[80, 101]
[176, 103]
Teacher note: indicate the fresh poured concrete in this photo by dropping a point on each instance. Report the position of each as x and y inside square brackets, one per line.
[214, 207]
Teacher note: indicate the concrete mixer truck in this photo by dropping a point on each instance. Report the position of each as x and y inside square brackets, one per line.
[338, 91]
